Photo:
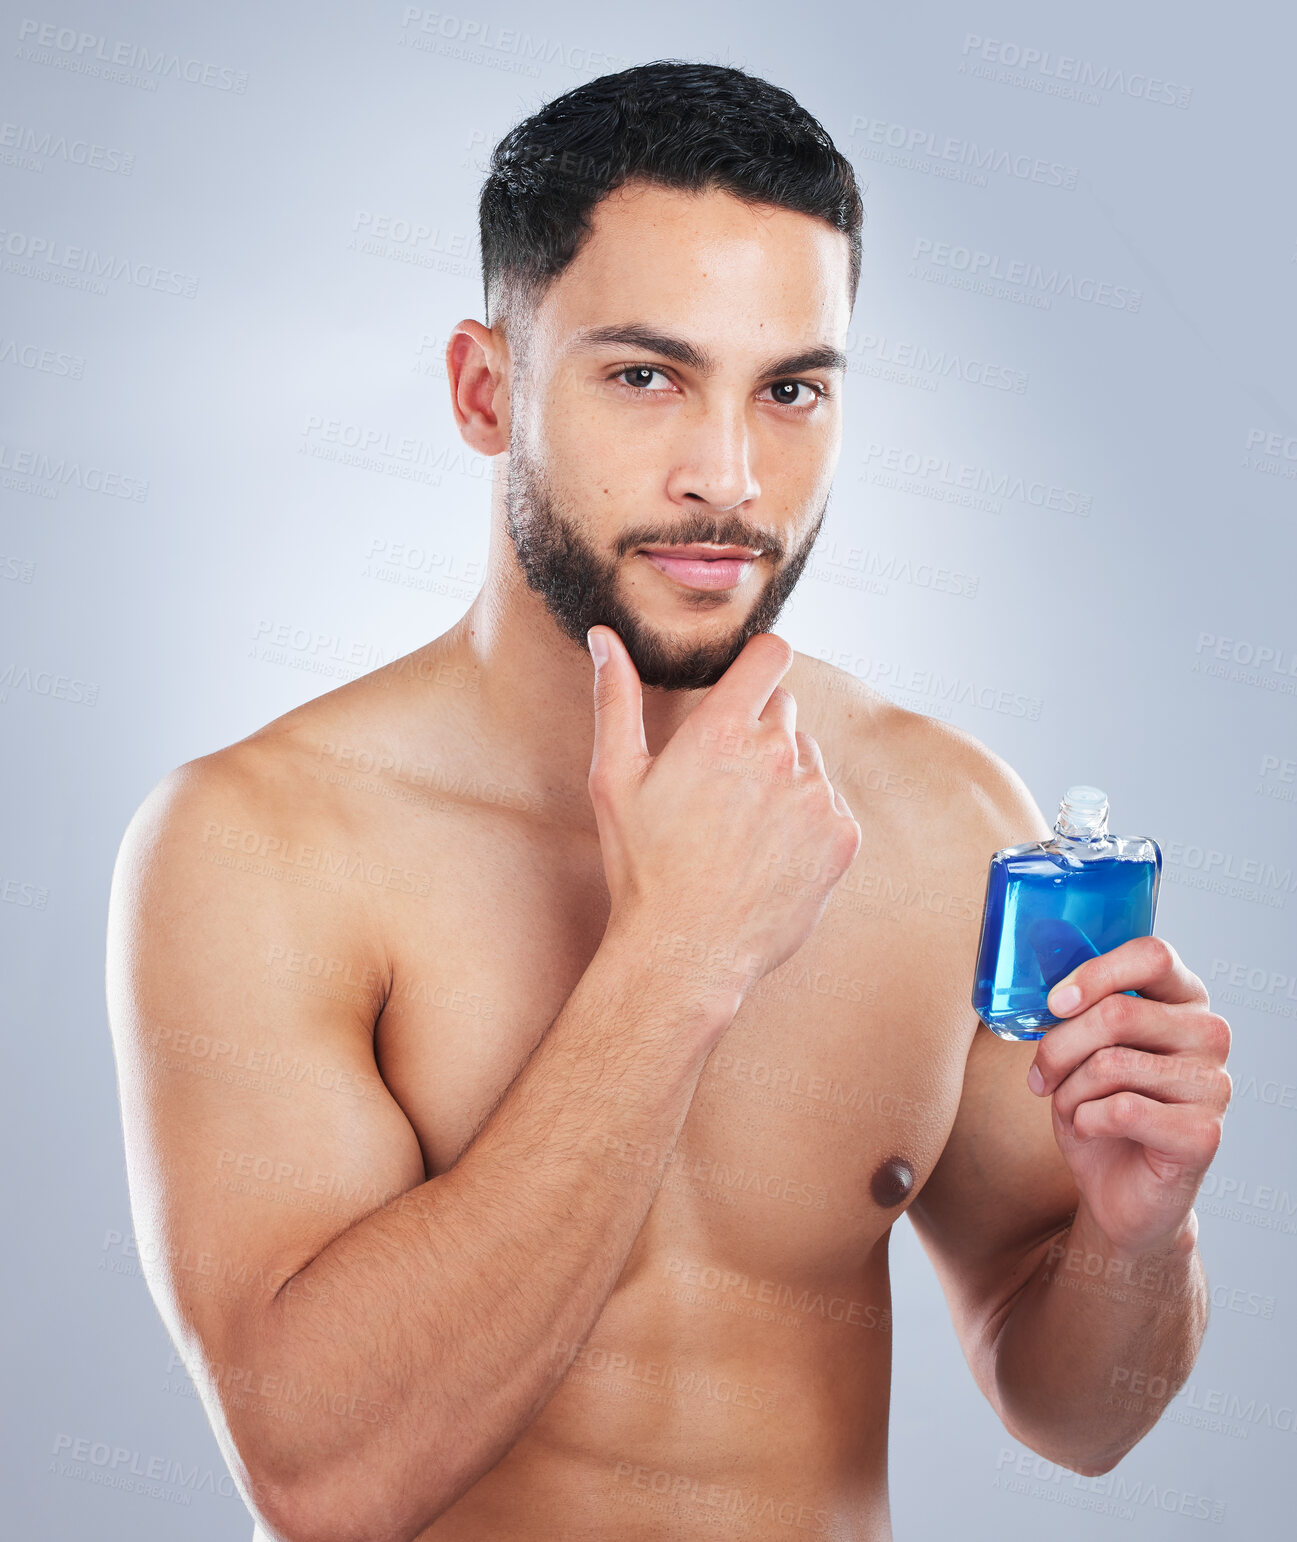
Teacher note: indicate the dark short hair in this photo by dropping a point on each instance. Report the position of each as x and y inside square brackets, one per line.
[679, 124]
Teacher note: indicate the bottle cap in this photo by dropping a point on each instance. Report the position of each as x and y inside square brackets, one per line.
[1084, 796]
[1083, 811]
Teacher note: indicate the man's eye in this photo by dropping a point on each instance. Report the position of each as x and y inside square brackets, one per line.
[639, 375]
[785, 393]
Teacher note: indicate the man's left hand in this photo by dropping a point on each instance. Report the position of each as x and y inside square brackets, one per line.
[1140, 1091]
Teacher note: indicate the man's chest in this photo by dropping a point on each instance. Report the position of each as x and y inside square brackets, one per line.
[818, 1115]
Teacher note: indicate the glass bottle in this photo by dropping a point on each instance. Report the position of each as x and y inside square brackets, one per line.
[1052, 904]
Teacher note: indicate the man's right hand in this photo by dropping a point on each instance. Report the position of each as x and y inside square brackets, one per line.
[733, 837]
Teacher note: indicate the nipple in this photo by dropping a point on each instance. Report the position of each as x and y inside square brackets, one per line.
[892, 1181]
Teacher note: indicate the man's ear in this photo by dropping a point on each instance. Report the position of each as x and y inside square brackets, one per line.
[477, 365]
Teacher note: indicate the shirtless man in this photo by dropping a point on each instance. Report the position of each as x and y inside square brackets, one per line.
[523, 1065]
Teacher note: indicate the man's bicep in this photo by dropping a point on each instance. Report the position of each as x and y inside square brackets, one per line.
[257, 1128]
[999, 1192]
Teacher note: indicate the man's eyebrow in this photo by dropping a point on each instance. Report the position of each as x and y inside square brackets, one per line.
[632, 335]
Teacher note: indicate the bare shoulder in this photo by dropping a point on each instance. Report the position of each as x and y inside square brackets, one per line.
[295, 843]
[280, 780]
[888, 756]
[252, 795]
[250, 853]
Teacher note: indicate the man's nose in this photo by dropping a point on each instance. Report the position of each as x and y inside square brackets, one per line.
[714, 463]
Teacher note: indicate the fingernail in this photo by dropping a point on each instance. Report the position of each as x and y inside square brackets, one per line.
[598, 646]
[1064, 999]
[1034, 1079]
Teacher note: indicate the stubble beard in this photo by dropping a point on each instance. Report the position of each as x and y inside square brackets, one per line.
[579, 584]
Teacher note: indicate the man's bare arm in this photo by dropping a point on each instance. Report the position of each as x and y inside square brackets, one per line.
[456, 1310]
[1138, 1089]
[1059, 1322]
[1060, 1329]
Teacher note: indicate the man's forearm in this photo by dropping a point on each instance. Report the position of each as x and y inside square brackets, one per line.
[456, 1309]
[1097, 1344]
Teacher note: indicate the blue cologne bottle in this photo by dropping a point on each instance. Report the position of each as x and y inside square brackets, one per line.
[1052, 904]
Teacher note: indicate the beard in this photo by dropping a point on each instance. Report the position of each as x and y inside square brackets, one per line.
[579, 584]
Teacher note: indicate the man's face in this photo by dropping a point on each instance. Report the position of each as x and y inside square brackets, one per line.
[680, 388]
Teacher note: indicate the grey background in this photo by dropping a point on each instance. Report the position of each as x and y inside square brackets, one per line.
[181, 561]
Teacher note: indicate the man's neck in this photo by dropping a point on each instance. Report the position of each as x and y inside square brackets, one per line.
[535, 696]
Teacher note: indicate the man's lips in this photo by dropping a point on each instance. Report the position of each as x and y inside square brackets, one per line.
[701, 566]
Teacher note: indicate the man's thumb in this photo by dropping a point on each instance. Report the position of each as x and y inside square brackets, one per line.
[619, 740]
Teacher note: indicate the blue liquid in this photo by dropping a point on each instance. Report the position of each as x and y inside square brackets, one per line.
[1043, 916]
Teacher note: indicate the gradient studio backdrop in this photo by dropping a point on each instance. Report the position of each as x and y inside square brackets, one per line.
[284, 197]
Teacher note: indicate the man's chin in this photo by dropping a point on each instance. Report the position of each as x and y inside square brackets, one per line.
[674, 664]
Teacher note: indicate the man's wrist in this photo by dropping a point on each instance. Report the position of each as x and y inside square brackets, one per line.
[702, 984]
[1175, 1246]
